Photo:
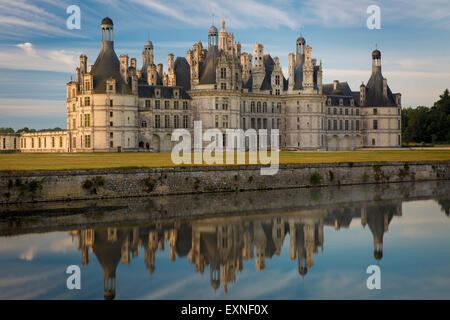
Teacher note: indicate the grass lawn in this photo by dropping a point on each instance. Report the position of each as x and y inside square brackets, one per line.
[24, 161]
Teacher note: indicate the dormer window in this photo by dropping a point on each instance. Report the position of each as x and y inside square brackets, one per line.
[341, 102]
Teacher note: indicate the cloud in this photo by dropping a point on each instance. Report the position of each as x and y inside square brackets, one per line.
[30, 58]
[32, 107]
[28, 48]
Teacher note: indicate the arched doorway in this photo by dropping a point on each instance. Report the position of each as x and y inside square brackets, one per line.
[333, 143]
[347, 143]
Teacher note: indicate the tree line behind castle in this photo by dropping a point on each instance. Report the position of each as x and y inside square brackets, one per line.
[419, 125]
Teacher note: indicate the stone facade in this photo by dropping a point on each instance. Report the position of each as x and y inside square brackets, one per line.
[114, 106]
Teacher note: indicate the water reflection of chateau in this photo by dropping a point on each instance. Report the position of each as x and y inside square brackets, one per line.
[223, 243]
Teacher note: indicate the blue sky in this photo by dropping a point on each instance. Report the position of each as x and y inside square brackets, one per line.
[38, 54]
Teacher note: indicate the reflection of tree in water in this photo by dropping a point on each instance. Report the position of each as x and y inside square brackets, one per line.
[224, 243]
[445, 206]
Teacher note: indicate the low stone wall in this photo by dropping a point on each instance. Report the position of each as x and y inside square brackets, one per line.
[22, 187]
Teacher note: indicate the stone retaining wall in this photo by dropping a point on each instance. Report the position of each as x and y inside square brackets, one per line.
[32, 186]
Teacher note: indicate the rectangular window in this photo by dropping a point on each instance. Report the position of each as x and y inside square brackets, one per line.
[166, 121]
[166, 105]
[329, 124]
[252, 123]
[224, 121]
[74, 142]
[357, 125]
[224, 103]
[53, 142]
[244, 125]
[375, 111]
[87, 101]
[185, 122]
[252, 106]
[176, 121]
[4, 143]
[111, 102]
[217, 103]
[223, 86]
[60, 142]
[346, 125]
[216, 121]
[147, 104]
[264, 123]
[157, 104]
[375, 124]
[185, 105]
[87, 141]
[157, 121]
[334, 124]
[87, 120]
[175, 105]
[357, 112]
[279, 107]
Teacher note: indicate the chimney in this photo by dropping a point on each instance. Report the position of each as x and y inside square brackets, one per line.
[335, 85]
[362, 94]
[133, 62]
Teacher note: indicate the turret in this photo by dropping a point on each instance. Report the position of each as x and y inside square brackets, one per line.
[171, 80]
[83, 64]
[246, 63]
[362, 94]
[376, 61]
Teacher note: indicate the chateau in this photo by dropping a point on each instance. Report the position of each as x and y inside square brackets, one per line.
[115, 106]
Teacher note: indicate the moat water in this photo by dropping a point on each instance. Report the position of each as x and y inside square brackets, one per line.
[287, 244]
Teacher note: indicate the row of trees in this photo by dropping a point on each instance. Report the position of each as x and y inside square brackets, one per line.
[26, 130]
[429, 125]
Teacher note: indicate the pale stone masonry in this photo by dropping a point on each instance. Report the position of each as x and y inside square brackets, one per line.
[114, 106]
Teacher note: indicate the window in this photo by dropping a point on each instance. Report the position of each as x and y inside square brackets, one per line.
[53, 142]
[340, 125]
[111, 124]
[346, 125]
[224, 103]
[175, 105]
[334, 111]
[346, 111]
[217, 103]
[15, 144]
[375, 124]
[279, 107]
[265, 107]
[111, 144]
[357, 125]
[244, 125]
[73, 107]
[277, 92]
[340, 111]
[144, 124]
[329, 124]
[357, 112]
[111, 135]
[224, 121]
[373, 142]
[277, 80]
[375, 111]
[87, 141]
[39, 143]
[157, 121]
[258, 107]
[223, 73]
[157, 104]
[4, 143]
[176, 121]
[273, 107]
[334, 124]
[252, 123]
[60, 142]
[243, 106]
[111, 114]
[111, 103]
[87, 120]
[185, 105]
[166, 121]
[264, 123]
[87, 85]
[147, 104]
[74, 142]
[166, 105]
[329, 111]
[185, 122]
[217, 121]
[223, 86]
[252, 106]
[87, 101]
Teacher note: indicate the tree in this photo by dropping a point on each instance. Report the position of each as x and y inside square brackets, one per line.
[6, 130]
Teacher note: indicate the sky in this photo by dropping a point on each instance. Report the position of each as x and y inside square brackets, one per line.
[39, 54]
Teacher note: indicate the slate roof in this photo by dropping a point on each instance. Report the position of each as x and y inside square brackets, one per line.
[374, 92]
[208, 68]
[146, 91]
[107, 66]
[182, 73]
[342, 91]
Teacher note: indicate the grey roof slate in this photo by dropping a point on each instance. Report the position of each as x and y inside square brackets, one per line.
[182, 73]
[146, 91]
[374, 92]
[208, 68]
[106, 66]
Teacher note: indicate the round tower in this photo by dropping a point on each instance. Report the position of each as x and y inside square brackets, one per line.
[107, 29]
